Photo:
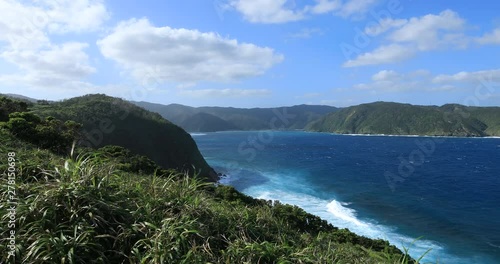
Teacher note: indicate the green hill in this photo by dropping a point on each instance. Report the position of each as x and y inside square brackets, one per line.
[112, 121]
[109, 205]
[406, 119]
[230, 118]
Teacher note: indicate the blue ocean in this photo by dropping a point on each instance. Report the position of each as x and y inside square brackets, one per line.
[421, 193]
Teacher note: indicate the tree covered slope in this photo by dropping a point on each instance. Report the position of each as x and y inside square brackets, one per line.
[112, 121]
[405, 119]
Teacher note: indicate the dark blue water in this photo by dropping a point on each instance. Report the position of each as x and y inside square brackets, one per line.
[445, 191]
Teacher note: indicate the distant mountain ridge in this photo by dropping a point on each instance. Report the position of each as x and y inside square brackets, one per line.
[20, 97]
[405, 119]
[373, 118]
[210, 119]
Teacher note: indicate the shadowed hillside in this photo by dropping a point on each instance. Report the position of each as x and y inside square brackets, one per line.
[112, 121]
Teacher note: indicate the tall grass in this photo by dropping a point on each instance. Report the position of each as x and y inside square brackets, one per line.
[86, 211]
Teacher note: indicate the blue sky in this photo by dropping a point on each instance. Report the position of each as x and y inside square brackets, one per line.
[253, 53]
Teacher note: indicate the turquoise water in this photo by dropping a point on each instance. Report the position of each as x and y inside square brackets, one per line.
[445, 191]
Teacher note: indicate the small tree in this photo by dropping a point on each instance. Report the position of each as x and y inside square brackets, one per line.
[8, 106]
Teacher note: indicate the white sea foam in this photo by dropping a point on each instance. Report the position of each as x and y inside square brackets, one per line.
[340, 215]
[344, 213]
[289, 190]
[197, 134]
[424, 136]
[381, 135]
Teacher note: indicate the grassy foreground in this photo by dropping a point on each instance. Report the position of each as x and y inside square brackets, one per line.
[85, 211]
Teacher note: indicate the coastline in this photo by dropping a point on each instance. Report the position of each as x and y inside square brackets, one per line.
[401, 135]
[343, 134]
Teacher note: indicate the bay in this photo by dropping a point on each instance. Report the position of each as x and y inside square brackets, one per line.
[419, 193]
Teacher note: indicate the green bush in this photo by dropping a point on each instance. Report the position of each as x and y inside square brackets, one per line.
[50, 133]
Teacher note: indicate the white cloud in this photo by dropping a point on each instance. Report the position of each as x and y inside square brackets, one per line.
[392, 81]
[356, 7]
[382, 55]
[325, 6]
[423, 80]
[183, 55]
[75, 15]
[344, 9]
[266, 11]
[429, 32]
[490, 38]
[19, 26]
[418, 34]
[223, 93]
[27, 42]
[49, 67]
[386, 75]
[385, 25]
[283, 11]
[469, 77]
[29, 25]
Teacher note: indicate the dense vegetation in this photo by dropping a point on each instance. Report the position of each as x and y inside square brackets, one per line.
[405, 119]
[209, 119]
[112, 121]
[110, 205]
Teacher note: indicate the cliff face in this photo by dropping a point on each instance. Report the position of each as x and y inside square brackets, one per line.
[112, 121]
[405, 119]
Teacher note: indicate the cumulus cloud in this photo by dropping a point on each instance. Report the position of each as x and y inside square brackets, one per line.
[382, 55]
[52, 65]
[469, 77]
[386, 75]
[384, 25]
[222, 93]
[409, 37]
[27, 41]
[392, 81]
[423, 80]
[430, 31]
[19, 26]
[490, 38]
[267, 11]
[184, 55]
[283, 11]
[324, 6]
[355, 7]
[29, 25]
[75, 15]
